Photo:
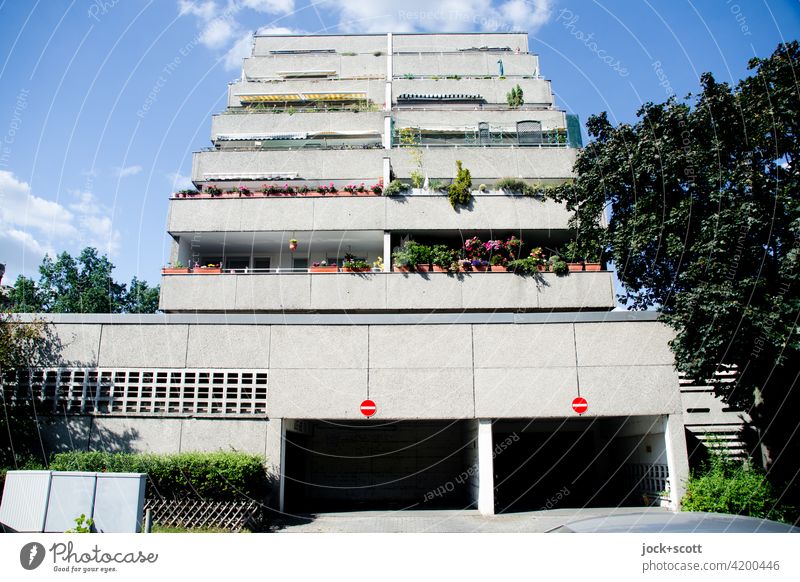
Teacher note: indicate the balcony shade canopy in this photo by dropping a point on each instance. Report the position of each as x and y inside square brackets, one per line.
[301, 74]
[439, 98]
[252, 176]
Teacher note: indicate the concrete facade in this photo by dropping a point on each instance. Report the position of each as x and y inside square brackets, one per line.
[471, 374]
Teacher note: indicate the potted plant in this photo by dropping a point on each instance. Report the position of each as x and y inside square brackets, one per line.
[355, 266]
[537, 256]
[176, 268]
[593, 262]
[441, 258]
[377, 188]
[209, 269]
[396, 188]
[377, 265]
[323, 267]
[558, 265]
[572, 256]
[213, 190]
[293, 244]
[401, 260]
[420, 256]
[231, 192]
[480, 265]
[498, 264]
[244, 191]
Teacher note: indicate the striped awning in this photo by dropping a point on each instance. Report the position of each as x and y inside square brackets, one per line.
[300, 97]
[259, 136]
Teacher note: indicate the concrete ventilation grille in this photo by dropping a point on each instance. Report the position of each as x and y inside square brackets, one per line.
[151, 391]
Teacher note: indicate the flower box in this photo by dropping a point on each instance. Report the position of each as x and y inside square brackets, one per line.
[480, 268]
[400, 269]
[543, 268]
[207, 271]
[593, 267]
[438, 269]
[356, 269]
[499, 269]
[573, 267]
[422, 268]
[324, 269]
[173, 271]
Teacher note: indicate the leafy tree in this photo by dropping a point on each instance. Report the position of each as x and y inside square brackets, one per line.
[82, 284]
[25, 297]
[22, 345]
[704, 225]
[141, 298]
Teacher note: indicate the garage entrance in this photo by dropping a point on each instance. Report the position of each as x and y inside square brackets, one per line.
[570, 463]
[368, 465]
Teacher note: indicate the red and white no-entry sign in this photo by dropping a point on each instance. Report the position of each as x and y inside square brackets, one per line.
[580, 405]
[368, 408]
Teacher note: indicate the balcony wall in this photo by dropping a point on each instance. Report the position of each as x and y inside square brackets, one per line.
[367, 43]
[257, 122]
[385, 292]
[307, 213]
[317, 165]
[359, 65]
[487, 164]
[375, 89]
[551, 118]
[484, 163]
[427, 43]
[492, 90]
[464, 64]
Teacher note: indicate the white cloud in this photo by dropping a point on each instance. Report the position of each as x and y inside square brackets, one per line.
[240, 50]
[204, 10]
[269, 6]
[179, 182]
[445, 16]
[20, 208]
[221, 26]
[31, 226]
[128, 171]
[217, 33]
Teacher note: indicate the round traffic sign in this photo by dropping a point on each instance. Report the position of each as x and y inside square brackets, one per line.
[580, 405]
[368, 408]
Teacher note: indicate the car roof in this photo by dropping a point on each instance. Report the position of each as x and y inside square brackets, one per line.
[681, 522]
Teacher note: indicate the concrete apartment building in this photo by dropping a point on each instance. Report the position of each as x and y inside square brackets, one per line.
[473, 375]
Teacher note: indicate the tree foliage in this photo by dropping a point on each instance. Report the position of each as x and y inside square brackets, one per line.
[704, 223]
[82, 284]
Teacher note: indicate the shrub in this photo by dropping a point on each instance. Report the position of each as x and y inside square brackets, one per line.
[220, 476]
[442, 256]
[395, 188]
[558, 265]
[460, 191]
[417, 179]
[515, 97]
[728, 486]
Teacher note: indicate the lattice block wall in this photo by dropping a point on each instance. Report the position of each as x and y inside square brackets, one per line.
[141, 391]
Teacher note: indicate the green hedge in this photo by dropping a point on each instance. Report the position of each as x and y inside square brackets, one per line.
[222, 476]
[725, 486]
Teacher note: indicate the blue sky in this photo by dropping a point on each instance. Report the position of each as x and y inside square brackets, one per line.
[103, 101]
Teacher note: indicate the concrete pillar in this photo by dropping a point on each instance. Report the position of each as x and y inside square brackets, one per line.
[387, 252]
[389, 72]
[677, 458]
[387, 171]
[387, 132]
[485, 467]
[276, 457]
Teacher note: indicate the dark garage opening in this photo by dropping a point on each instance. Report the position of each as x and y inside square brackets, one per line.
[347, 466]
[570, 463]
